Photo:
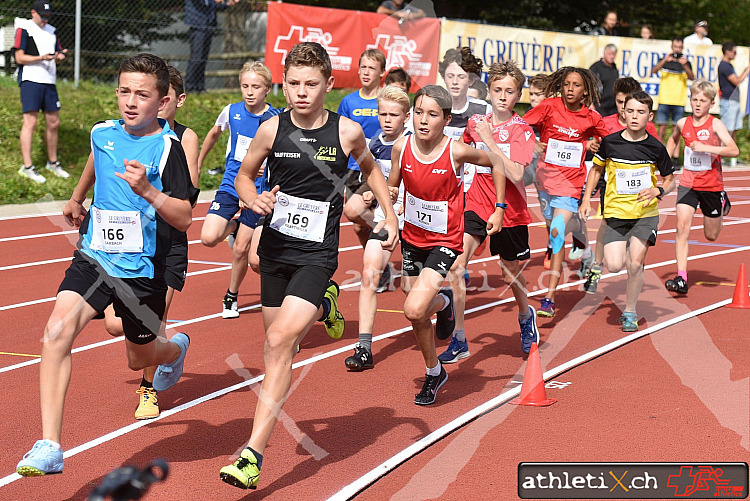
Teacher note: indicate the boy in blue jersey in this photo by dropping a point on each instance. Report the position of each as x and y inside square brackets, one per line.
[177, 259]
[242, 119]
[393, 112]
[362, 107]
[142, 191]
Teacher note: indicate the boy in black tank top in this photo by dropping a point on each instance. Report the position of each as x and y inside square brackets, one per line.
[307, 150]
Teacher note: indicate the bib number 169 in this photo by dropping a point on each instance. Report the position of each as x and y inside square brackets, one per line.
[297, 220]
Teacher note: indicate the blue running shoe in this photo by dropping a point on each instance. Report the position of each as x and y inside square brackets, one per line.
[529, 331]
[446, 318]
[43, 459]
[547, 309]
[167, 375]
[455, 352]
[629, 321]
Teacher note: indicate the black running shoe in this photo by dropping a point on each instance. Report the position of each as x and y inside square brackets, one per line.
[361, 360]
[385, 279]
[430, 388]
[677, 284]
[446, 318]
[726, 205]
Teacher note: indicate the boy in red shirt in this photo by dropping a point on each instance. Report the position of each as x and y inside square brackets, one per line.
[506, 134]
[566, 121]
[701, 183]
[427, 162]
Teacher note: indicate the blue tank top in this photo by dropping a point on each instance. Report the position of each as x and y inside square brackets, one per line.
[116, 210]
[242, 126]
[365, 113]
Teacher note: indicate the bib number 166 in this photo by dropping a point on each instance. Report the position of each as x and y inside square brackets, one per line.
[112, 234]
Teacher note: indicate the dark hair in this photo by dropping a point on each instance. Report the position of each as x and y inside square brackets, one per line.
[398, 75]
[310, 54]
[439, 94]
[148, 64]
[642, 97]
[625, 85]
[727, 46]
[678, 39]
[175, 80]
[649, 28]
[462, 57]
[590, 84]
[481, 87]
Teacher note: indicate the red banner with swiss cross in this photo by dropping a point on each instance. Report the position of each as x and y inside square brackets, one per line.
[345, 34]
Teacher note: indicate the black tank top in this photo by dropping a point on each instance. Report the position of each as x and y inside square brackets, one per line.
[179, 129]
[307, 164]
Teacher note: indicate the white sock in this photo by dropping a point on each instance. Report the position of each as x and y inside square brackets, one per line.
[445, 298]
[435, 371]
[460, 334]
[54, 444]
[587, 252]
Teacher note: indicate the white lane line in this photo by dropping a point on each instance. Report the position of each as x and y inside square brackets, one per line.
[58, 213]
[217, 263]
[38, 235]
[35, 263]
[389, 465]
[218, 393]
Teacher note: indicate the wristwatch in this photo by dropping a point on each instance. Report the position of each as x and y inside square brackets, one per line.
[661, 192]
[501, 205]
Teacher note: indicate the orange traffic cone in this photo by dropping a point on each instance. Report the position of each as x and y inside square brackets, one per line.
[532, 391]
[741, 299]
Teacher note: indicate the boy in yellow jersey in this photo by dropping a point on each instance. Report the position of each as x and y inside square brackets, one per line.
[631, 158]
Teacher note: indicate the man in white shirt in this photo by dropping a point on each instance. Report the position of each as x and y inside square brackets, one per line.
[37, 48]
[700, 36]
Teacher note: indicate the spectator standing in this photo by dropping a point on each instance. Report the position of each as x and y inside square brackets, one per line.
[608, 26]
[606, 70]
[200, 16]
[647, 32]
[676, 70]
[700, 35]
[404, 11]
[729, 104]
[37, 48]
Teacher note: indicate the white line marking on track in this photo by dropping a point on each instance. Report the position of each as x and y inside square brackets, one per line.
[38, 235]
[389, 465]
[35, 263]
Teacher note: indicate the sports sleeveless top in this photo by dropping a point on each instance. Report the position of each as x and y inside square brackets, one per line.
[434, 199]
[310, 168]
[702, 170]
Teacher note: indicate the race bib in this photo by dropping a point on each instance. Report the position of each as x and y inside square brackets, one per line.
[385, 167]
[300, 217]
[564, 153]
[504, 147]
[455, 133]
[240, 149]
[116, 230]
[697, 162]
[632, 181]
[430, 216]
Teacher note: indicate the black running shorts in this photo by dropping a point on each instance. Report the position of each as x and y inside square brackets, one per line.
[279, 280]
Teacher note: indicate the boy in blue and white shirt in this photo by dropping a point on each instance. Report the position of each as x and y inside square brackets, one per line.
[242, 119]
[142, 190]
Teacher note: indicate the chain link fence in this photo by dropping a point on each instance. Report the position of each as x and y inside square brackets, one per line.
[113, 29]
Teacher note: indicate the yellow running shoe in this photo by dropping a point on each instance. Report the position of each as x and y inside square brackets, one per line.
[148, 406]
[244, 473]
[334, 322]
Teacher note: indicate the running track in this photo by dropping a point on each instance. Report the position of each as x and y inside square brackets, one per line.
[679, 392]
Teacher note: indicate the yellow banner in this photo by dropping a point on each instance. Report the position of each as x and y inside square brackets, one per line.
[546, 51]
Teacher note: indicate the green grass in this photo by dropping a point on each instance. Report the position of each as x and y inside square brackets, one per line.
[81, 109]
[90, 103]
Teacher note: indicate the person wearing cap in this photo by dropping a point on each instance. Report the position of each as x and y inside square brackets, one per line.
[700, 36]
[37, 48]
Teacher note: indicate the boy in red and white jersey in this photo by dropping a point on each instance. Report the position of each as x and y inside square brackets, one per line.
[427, 162]
[701, 183]
[506, 134]
[566, 121]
